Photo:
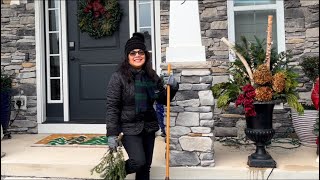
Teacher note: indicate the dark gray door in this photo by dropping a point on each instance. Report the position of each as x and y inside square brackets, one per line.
[91, 63]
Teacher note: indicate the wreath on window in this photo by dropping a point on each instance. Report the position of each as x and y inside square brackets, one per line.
[99, 18]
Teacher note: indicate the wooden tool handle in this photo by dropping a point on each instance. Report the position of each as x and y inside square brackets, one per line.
[168, 128]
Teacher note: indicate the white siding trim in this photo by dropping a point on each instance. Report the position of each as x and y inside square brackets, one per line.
[231, 29]
[64, 58]
[281, 27]
[131, 18]
[40, 65]
[157, 37]
[254, 7]
[152, 35]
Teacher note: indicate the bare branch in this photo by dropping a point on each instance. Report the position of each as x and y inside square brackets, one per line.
[242, 59]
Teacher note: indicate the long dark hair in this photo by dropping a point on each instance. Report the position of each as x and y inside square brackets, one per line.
[147, 67]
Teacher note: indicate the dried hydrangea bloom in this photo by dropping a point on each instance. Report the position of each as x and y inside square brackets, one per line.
[263, 93]
[279, 82]
[262, 75]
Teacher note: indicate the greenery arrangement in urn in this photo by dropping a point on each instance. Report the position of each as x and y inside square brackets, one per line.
[310, 66]
[258, 75]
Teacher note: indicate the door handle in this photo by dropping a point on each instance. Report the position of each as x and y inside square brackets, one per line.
[72, 58]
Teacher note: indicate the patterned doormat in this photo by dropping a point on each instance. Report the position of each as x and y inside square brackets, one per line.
[73, 140]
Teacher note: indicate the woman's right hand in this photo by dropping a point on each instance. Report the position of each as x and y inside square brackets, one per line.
[113, 143]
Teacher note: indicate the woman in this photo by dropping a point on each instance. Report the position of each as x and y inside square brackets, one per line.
[131, 93]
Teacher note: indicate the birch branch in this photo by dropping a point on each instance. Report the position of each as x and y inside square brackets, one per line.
[269, 41]
[242, 59]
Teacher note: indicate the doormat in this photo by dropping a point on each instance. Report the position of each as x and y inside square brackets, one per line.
[73, 140]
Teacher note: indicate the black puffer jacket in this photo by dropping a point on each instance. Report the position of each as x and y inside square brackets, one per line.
[121, 116]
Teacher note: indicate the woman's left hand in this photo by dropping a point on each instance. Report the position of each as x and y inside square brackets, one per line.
[173, 83]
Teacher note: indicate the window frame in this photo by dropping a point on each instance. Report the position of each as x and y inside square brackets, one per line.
[48, 54]
[278, 7]
[152, 27]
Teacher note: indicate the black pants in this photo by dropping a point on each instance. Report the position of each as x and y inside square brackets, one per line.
[140, 150]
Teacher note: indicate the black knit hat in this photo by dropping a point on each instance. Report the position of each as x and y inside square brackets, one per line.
[135, 42]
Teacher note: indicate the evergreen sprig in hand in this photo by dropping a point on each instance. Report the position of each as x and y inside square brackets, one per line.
[112, 164]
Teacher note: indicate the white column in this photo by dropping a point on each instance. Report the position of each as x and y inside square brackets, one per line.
[184, 32]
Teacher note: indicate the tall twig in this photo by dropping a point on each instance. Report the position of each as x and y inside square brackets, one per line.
[269, 41]
[242, 59]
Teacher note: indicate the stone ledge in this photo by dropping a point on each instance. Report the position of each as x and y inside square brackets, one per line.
[188, 65]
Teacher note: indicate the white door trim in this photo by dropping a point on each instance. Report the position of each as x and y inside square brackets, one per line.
[65, 70]
[40, 61]
[40, 65]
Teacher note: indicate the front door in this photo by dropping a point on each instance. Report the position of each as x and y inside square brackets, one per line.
[91, 63]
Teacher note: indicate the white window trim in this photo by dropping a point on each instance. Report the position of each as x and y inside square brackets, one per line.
[279, 7]
[157, 37]
[154, 51]
[48, 32]
[40, 65]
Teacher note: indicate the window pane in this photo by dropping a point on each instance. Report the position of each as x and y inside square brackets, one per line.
[253, 2]
[145, 15]
[55, 89]
[250, 24]
[54, 20]
[144, 1]
[54, 43]
[54, 66]
[54, 3]
[147, 37]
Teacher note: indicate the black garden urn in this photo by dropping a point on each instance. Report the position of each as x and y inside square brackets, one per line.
[259, 129]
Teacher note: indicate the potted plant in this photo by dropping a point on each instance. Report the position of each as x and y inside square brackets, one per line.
[303, 123]
[6, 82]
[260, 79]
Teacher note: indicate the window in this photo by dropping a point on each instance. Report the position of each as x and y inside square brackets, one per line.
[53, 48]
[145, 24]
[249, 18]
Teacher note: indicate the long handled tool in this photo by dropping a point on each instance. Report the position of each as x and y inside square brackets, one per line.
[168, 128]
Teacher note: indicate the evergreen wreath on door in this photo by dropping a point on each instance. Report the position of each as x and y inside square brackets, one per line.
[99, 18]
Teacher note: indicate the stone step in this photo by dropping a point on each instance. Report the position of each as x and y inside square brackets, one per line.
[22, 160]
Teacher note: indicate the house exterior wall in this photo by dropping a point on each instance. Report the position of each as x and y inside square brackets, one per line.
[302, 37]
[18, 40]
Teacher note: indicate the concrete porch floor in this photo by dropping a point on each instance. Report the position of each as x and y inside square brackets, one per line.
[23, 161]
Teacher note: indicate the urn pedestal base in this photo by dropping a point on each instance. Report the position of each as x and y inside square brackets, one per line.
[260, 131]
[261, 158]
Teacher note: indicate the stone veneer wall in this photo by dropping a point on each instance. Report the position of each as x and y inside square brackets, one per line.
[18, 39]
[302, 36]
[192, 112]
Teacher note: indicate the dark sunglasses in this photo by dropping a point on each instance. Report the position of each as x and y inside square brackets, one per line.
[140, 52]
